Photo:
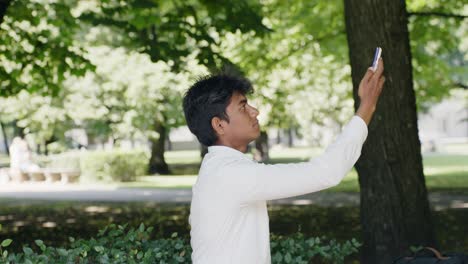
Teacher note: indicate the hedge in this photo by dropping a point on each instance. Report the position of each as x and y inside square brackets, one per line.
[115, 165]
[108, 166]
[120, 244]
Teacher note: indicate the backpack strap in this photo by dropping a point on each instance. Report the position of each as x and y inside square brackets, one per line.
[436, 253]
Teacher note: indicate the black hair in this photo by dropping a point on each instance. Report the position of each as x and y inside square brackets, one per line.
[209, 98]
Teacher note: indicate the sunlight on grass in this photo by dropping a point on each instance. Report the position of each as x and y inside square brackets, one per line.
[443, 171]
[183, 156]
[180, 181]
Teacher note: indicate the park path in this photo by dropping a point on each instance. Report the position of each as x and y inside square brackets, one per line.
[109, 193]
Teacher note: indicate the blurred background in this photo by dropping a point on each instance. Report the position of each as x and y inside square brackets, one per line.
[93, 132]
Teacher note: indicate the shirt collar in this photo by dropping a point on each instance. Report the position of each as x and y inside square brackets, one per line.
[225, 151]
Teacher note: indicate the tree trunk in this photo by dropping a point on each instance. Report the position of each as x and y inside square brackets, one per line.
[47, 143]
[395, 210]
[290, 138]
[5, 138]
[18, 131]
[168, 141]
[261, 145]
[157, 162]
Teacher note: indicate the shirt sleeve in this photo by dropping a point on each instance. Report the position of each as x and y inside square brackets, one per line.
[250, 181]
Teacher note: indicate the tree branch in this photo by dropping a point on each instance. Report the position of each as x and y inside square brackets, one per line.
[439, 14]
[301, 47]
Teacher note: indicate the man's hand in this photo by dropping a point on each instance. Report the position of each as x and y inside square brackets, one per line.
[369, 92]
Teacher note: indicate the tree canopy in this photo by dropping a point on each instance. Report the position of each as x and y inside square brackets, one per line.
[295, 53]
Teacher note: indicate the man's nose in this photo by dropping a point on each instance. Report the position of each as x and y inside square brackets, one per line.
[254, 112]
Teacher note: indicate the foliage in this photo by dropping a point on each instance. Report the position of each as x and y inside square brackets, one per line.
[113, 166]
[122, 100]
[38, 50]
[170, 31]
[298, 249]
[439, 48]
[66, 160]
[119, 244]
[127, 95]
[300, 69]
[43, 117]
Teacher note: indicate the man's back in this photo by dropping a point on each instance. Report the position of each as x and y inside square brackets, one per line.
[225, 229]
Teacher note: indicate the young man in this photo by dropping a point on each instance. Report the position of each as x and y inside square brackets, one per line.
[228, 214]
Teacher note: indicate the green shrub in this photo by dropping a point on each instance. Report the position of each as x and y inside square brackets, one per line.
[119, 244]
[108, 166]
[298, 249]
[115, 165]
[66, 160]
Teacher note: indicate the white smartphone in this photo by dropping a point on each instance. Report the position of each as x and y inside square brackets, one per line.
[378, 52]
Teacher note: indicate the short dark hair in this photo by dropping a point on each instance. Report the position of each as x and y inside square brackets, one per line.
[209, 98]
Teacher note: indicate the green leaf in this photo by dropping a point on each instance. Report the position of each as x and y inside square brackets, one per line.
[62, 252]
[39, 242]
[27, 250]
[6, 242]
[99, 249]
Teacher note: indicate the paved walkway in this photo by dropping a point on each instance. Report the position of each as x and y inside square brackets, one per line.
[71, 192]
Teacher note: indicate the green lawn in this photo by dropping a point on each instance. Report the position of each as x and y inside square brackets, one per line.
[444, 171]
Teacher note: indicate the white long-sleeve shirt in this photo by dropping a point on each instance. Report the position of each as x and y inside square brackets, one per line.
[228, 214]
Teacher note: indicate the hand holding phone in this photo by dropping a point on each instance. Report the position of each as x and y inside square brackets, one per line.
[370, 88]
[378, 52]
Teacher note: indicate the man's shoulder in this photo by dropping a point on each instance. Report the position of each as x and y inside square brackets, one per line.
[225, 160]
[220, 166]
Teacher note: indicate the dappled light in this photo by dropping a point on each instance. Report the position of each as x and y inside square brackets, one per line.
[26, 223]
[101, 122]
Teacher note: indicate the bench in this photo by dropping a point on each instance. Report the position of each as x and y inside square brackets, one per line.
[44, 174]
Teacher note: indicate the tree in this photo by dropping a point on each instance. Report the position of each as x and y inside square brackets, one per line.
[395, 210]
[172, 30]
[38, 50]
[42, 117]
[303, 80]
[131, 97]
[307, 49]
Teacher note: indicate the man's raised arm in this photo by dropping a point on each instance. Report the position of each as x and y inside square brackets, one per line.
[254, 182]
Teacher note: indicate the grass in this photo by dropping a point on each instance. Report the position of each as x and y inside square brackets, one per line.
[446, 172]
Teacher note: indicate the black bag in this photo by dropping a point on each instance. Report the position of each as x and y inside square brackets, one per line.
[429, 255]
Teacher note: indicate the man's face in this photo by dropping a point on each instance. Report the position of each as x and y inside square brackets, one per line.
[243, 124]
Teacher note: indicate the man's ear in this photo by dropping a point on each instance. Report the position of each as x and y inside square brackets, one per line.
[218, 125]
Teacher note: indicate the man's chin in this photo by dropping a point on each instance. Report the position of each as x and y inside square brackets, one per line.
[257, 135]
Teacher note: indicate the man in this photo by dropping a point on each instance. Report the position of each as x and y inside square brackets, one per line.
[228, 214]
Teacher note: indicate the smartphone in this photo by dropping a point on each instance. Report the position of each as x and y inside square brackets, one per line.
[378, 52]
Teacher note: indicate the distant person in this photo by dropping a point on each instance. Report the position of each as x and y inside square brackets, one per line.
[228, 214]
[21, 157]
